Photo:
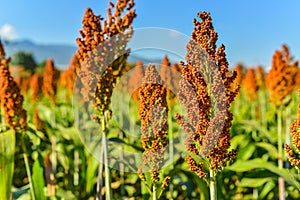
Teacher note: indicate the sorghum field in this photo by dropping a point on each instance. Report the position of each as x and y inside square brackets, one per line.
[107, 128]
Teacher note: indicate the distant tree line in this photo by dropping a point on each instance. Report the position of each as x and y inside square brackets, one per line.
[26, 59]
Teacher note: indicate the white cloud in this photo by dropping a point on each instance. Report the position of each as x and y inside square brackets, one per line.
[8, 32]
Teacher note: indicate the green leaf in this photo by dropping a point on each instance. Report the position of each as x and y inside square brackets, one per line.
[38, 180]
[262, 131]
[35, 139]
[63, 194]
[253, 182]
[266, 190]
[130, 189]
[120, 141]
[7, 150]
[236, 140]
[91, 174]
[246, 152]
[258, 163]
[46, 114]
[272, 150]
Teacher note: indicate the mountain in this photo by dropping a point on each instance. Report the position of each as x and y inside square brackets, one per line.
[60, 53]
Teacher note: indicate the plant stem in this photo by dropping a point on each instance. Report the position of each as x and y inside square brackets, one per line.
[76, 167]
[255, 138]
[287, 135]
[28, 169]
[212, 185]
[122, 169]
[280, 153]
[262, 101]
[108, 192]
[53, 141]
[171, 147]
[122, 166]
[100, 176]
[154, 192]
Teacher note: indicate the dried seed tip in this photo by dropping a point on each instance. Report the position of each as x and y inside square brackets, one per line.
[51, 76]
[166, 182]
[250, 84]
[153, 114]
[291, 156]
[295, 139]
[166, 61]
[206, 92]
[168, 75]
[240, 73]
[155, 176]
[68, 76]
[195, 167]
[141, 174]
[151, 76]
[36, 88]
[97, 50]
[282, 77]
[176, 67]
[111, 4]
[204, 34]
[38, 123]
[11, 99]
[135, 80]
[261, 77]
[97, 29]
[2, 52]
[165, 72]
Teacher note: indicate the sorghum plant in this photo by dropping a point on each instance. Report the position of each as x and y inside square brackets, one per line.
[102, 54]
[51, 76]
[67, 79]
[11, 98]
[15, 117]
[36, 88]
[281, 83]
[295, 135]
[165, 73]
[102, 41]
[240, 73]
[170, 75]
[135, 80]
[205, 91]
[260, 77]
[250, 85]
[154, 128]
[282, 77]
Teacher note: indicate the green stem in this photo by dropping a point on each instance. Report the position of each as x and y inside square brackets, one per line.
[262, 101]
[171, 147]
[100, 176]
[27, 166]
[122, 166]
[280, 153]
[212, 185]
[108, 192]
[287, 135]
[255, 138]
[53, 141]
[145, 189]
[154, 192]
[122, 170]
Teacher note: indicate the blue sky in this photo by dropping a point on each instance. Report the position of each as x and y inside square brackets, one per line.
[251, 30]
